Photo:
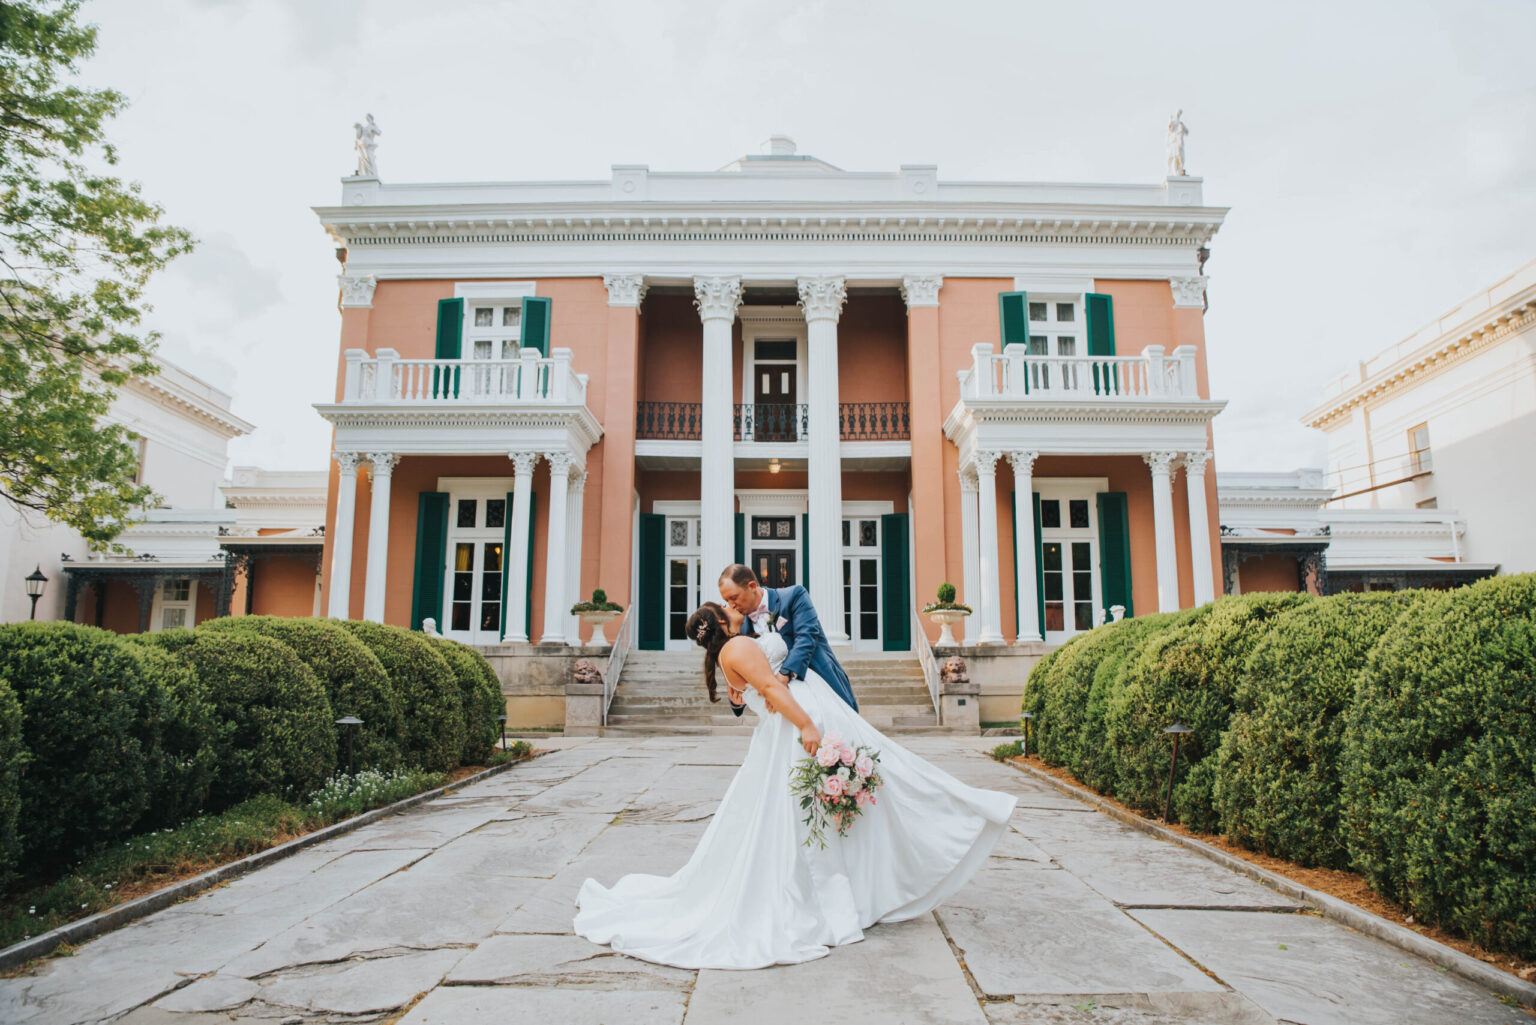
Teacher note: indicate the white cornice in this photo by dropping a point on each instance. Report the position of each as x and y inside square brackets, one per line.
[1471, 337]
[189, 404]
[433, 429]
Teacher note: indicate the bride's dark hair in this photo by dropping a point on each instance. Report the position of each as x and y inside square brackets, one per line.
[706, 628]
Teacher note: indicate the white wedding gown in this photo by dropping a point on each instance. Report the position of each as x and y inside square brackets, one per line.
[754, 895]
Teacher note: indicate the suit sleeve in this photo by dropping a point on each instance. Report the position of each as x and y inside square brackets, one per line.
[799, 611]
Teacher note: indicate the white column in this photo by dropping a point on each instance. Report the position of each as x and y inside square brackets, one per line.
[341, 537]
[1162, 526]
[717, 299]
[1024, 546]
[556, 609]
[970, 582]
[573, 593]
[375, 584]
[986, 497]
[1199, 526]
[822, 301]
[514, 629]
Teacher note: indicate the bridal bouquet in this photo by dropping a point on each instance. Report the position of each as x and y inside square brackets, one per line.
[835, 785]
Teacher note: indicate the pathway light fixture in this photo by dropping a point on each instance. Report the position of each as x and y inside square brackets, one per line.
[347, 722]
[503, 720]
[1178, 730]
[36, 584]
[1024, 723]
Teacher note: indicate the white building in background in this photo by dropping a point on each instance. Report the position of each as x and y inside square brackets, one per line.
[248, 544]
[1443, 420]
[1279, 533]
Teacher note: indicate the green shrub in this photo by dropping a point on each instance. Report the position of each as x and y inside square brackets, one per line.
[518, 749]
[343, 796]
[278, 734]
[1003, 752]
[13, 762]
[1186, 672]
[1277, 770]
[89, 709]
[428, 689]
[352, 676]
[186, 763]
[1439, 806]
[946, 592]
[480, 692]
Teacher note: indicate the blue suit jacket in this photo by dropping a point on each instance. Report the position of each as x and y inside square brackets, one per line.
[808, 647]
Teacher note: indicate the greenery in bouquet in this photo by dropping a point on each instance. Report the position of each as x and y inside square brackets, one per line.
[946, 601]
[835, 785]
[599, 603]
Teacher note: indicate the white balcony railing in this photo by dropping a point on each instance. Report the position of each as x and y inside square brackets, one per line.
[1015, 375]
[531, 378]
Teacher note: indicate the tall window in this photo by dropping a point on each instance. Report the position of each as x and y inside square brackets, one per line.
[1418, 449]
[494, 330]
[861, 582]
[683, 580]
[1069, 563]
[177, 596]
[476, 562]
[1055, 329]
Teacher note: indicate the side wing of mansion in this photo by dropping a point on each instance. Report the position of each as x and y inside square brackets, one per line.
[867, 383]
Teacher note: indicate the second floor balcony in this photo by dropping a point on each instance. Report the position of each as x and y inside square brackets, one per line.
[774, 422]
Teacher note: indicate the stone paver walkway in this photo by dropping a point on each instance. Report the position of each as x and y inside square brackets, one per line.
[459, 911]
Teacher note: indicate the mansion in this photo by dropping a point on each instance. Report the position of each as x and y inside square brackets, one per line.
[868, 383]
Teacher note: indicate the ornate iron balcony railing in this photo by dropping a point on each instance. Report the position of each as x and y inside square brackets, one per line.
[874, 421]
[771, 422]
[668, 421]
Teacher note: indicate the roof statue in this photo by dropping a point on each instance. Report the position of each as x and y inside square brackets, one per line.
[1176, 133]
[367, 148]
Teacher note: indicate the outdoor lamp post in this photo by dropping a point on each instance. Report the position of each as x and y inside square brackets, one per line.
[1178, 730]
[36, 583]
[347, 722]
[1024, 718]
[503, 731]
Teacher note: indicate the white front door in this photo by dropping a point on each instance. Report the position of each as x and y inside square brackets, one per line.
[684, 593]
[476, 533]
[1069, 543]
[861, 582]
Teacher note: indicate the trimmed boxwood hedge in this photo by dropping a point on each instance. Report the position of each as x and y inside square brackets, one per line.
[1439, 773]
[1277, 770]
[277, 734]
[188, 755]
[480, 692]
[429, 691]
[353, 677]
[1185, 673]
[13, 762]
[90, 711]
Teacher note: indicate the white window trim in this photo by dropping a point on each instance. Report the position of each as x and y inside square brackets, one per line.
[480, 489]
[1063, 489]
[772, 323]
[159, 605]
[504, 293]
[1052, 329]
[693, 550]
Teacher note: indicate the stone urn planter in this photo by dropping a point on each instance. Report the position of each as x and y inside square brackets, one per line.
[946, 612]
[946, 618]
[599, 611]
[598, 618]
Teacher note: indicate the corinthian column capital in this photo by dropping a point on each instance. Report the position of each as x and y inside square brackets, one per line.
[717, 298]
[822, 298]
[356, 289]
[921, 289]
[625, 289]
[1194, 462]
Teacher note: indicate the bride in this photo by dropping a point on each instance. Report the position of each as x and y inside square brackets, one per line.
[753, 894]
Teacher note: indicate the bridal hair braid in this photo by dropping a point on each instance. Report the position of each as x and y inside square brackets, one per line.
[706, 628]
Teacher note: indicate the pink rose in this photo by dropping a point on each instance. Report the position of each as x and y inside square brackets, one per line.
[845, 755]
[826, 757]
[864, 798]
[834, 741]
[833, 787]
[864, 765]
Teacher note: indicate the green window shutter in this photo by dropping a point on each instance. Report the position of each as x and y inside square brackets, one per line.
[450, 332]
[506, 559]
[533, 516]
[805, 550]
[1013, 317]
[536, 313]
[653, 582]
[1039, 568]
[450, 328]
[431, 558]
[741, 537]
[895, 576]
[1115, 551]
[1101, 340]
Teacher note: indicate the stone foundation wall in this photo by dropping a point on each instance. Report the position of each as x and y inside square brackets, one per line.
[534, 678]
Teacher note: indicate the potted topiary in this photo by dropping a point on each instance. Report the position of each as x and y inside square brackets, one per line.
[597, 612]
[946, 612]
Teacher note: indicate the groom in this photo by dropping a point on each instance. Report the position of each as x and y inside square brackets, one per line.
[788, 611]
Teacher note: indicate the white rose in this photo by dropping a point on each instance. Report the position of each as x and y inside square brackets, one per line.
[843, 772]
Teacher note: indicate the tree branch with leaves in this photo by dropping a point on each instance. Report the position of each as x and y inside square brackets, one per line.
[77, 247]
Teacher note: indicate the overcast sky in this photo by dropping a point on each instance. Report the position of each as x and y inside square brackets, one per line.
[1377, 157]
